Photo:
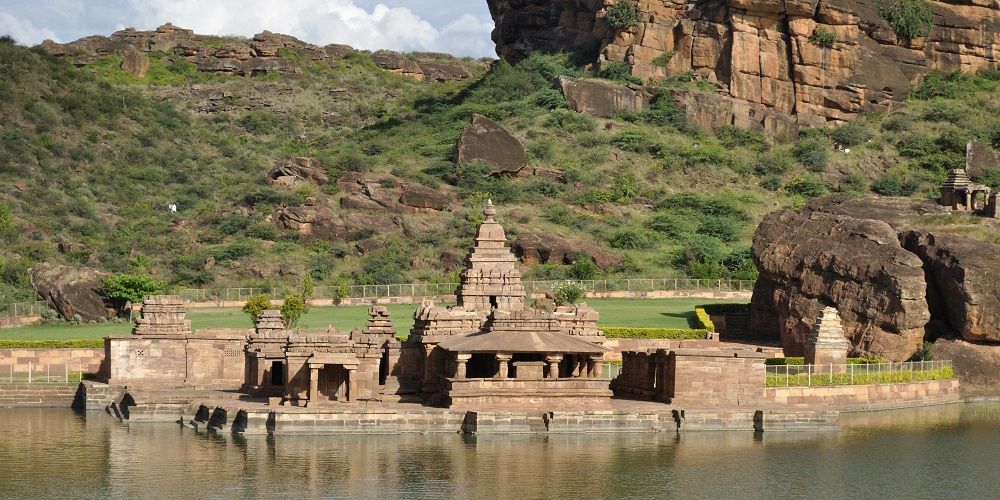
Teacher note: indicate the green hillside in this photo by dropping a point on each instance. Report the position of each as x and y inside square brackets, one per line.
[91, 158]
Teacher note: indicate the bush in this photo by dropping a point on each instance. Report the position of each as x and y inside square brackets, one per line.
[813, 153]
[909, 19]
[772, 182]
[672, 225]
[635, 140]
[702, 320]
[733, 137]
[617, 332]
[851, 134]
[774, 162]
[127, 289]
[52, 344]
[823, 38]
[622, 15]
[257, 304]
[584, 268]
[807, 186]
[633, 239]
[619, 71]
[568, 293]
[894, 184]
[663, 60]
[292, 309]
[570, 121]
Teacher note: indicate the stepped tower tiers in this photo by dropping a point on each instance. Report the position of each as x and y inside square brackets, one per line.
[826, 343]
[491, 280]
[162, 315]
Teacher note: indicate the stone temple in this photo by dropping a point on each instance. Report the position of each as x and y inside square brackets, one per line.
[491, 349]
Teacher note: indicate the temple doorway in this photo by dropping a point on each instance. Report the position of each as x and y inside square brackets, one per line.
[333, 383]
[278, 373]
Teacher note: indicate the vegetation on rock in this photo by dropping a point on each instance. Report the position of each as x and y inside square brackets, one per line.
[909, 19]
[622, 15]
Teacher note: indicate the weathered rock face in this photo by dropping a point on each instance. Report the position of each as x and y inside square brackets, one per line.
[979, 158]
[135, 62]
[810, 260]
[487, 141]
[601, 98]
[301, 169]
[442, 70]
[758, 52]
[893, 282]
[977, 365]
[363, 194]
[72, 291]
[554, 249]
[964, 280]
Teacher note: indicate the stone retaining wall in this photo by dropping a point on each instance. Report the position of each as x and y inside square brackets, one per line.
[79, 360]
[41, 396]
[16, 321]
[866, 397]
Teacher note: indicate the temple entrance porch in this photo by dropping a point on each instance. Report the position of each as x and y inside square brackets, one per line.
[332, 379]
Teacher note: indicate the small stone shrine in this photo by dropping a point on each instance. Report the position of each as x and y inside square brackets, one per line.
[162, 315]
[826, 344]
[491, 350]
[960, 193]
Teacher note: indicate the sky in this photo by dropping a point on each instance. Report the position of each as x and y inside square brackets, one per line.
[459, 27]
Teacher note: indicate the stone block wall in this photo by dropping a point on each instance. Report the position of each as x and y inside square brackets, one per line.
[40, 396]
[211, 361]
[867, 397]
[78, 360]
[714, 378]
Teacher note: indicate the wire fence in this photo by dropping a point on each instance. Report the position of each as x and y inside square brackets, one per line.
[68, 373]
[436, 289]
[857, 374]
[420, 290]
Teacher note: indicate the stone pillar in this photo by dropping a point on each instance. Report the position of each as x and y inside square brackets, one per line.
[352, 384]
[461, 365]
[968, 200]
[503, 360]
[826, 345]
[553, 360]
[581, 365]
[313, 383]
[597, 371]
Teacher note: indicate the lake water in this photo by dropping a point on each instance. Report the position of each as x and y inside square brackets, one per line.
[946, 451]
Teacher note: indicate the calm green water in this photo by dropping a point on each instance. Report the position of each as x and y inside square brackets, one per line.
[948, 451]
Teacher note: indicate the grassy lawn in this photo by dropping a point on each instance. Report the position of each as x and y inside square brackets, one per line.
[664, 313]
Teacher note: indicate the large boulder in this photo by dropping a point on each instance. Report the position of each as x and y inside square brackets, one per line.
[979, 159]
[963, 287]
[301, 169]
[977, 365]
[72, 291]
[602, 98]
[422, 198]
[487, 141]
[551, 248]
[135, 62]
[810, 260]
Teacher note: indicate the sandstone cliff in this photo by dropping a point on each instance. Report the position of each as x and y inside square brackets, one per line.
[897, 274]
[758, 52]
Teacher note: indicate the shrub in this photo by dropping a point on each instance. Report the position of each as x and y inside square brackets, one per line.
[851, 134]
[672, 225]
[292, 309]
[619, 71]
[772, 182]
[774, 162]
[702, 319]
[259, 122]
[632, 239]
[705, 270]
[663, 60]
[813, 153]
[568, 292]
[731, 137]
[925, 353]
[257, 304]
[635, 140]
[726, 229]
[52, 344]
[618, 332]
[823, 38]
[622, 15]
[550, 99]
[909, 19]
[570, 121]
[584, 268]
[386, 265]
[807, 186]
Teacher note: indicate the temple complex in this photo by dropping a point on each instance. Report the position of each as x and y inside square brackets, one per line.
[490, 349]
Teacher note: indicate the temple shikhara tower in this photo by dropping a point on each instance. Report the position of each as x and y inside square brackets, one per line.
[491, 349]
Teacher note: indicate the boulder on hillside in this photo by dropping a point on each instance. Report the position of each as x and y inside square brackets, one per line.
[603, 98]
[72, 291]
[423, 198]
[810, 260]
[963, 288]
[487, 141]
[551, 248]
[289, 172]
[977, 365]
[979, 159]
[135, 62]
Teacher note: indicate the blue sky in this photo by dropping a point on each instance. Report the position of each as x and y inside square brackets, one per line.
[460, 27]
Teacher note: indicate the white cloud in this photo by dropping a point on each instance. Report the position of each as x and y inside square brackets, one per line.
[23, 30]
[320, 22]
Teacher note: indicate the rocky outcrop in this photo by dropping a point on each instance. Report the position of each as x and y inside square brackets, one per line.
[422, 197]
[979, 159]
[602, 98]
[762, 53]
[265, 53]
[977, 365]
[554, 249]
[811, 260]
[895, 282]
[72, 292]
[487, 141]
[313, 223]
[443, 69]
[963, 285]
[291, 172]
[361, 193]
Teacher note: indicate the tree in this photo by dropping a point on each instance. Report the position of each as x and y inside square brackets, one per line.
[257, 304]
[622, 15]
[293, 309]
[308, 288]
[126, 289]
